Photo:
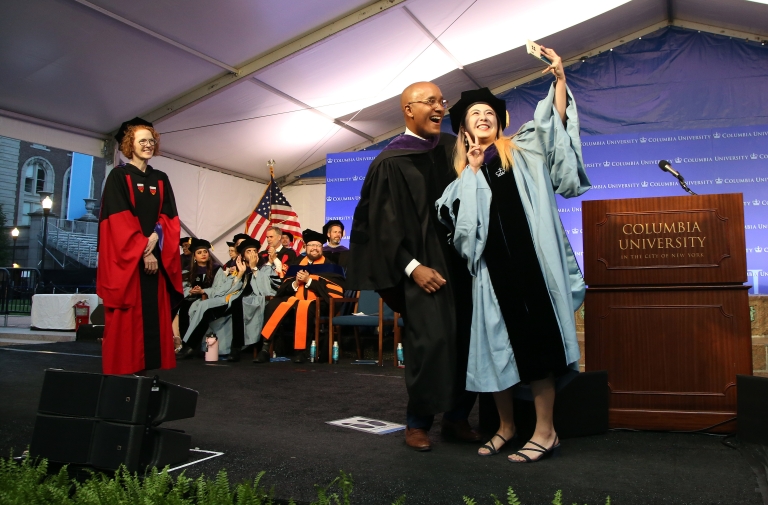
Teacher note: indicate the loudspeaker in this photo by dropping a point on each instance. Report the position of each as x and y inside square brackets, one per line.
[122, 398]
[581, 407]
[106, 445]
[752, 409]
[89, 333]
[97, 316]
[108, 420]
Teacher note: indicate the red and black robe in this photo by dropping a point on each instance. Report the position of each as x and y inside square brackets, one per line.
[137, 327]
[286, 255]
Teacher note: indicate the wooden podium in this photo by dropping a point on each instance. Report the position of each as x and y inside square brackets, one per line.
[666, 309]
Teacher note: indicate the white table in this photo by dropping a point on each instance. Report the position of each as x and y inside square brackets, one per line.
[56, 312]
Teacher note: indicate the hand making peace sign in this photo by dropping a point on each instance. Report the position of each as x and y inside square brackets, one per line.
[474, 153]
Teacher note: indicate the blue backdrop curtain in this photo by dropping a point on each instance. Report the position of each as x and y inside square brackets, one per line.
[672, 79]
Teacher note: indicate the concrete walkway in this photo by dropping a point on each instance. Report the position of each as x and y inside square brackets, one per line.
[18, 332]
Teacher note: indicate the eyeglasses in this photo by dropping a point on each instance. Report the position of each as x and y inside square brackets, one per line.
[431, 102]
[147, 142]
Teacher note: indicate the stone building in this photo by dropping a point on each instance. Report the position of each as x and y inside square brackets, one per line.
[28, 171]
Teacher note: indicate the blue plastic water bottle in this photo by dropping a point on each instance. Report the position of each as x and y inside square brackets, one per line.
[312, 352]
[335, 354]
[400, 357]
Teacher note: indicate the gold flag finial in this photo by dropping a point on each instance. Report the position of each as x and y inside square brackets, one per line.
[271, 164]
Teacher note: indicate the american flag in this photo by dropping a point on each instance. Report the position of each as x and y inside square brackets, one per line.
[274, 210]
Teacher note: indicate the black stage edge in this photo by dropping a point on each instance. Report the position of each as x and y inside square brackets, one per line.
[272, 417]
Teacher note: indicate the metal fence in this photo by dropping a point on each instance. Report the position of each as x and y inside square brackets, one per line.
[83, 227]
[77, 240]
[17, 285]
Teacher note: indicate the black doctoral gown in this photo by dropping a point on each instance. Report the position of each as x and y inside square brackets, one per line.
[395, 222]
[517, 280]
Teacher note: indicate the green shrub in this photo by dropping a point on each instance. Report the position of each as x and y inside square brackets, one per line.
[28, 483]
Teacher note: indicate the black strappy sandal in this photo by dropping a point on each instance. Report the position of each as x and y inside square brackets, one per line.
[492, 448]
[545, 453]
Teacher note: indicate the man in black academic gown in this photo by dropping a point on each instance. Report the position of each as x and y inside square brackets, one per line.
[333, 250]
[399, 248]
[186, 254]
[277, 256]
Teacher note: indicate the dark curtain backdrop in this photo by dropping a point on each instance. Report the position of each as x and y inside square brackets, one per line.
[672, 79]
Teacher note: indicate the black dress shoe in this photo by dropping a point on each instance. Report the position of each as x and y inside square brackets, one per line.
[300, 357]
[233, 357]
[459, 431]
[186, 352]
[262, 357]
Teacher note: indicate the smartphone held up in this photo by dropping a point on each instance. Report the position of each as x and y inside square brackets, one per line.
[534, 50]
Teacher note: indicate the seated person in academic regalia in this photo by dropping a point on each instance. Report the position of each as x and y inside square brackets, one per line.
[226, 283]
[235, 315]
[186, 255]
[238, 239]
[232, 256]
[199, 276]
[230, 268]
[275, 255]
[333, 250]
[312, 280]
[287, 239]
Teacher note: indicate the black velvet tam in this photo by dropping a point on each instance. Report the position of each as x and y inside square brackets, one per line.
[137, 121]
[247, 244]
[470, 98]
[312, 236]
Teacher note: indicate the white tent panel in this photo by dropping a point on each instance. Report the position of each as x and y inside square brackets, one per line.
[53, 137]
[223, 201]
[233, 31]
[508, 24]
[361, 66]
[298, 138]
[308, 200]
[66, 63]
[240, 102]
[212, 204]
[184, 180]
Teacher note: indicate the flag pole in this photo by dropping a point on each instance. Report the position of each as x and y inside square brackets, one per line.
[271, 165]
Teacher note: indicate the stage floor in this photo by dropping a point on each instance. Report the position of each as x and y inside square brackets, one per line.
[272, 417]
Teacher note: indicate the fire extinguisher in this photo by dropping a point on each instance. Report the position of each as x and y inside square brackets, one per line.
[82, 314]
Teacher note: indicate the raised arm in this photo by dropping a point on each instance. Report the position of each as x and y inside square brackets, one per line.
[556, 69]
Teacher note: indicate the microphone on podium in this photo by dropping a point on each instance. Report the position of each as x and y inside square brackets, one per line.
[665, 166]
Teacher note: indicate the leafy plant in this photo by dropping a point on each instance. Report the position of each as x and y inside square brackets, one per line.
[28, 483]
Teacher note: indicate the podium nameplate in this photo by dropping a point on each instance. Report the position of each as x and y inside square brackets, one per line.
[662, 241]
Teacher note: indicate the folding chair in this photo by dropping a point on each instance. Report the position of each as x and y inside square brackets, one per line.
[376, 314]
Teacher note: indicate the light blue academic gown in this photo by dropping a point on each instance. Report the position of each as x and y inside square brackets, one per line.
[548, 162]
[263, 284]
[222, 286]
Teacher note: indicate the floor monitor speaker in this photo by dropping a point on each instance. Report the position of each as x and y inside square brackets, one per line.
[752, 409]
[106, 445]
[581, 407]
[121, 398]
[106, 421]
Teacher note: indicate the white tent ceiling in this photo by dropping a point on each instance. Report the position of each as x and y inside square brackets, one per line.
[233, 83]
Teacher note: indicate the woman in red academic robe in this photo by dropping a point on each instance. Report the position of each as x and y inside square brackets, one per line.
[139, 272]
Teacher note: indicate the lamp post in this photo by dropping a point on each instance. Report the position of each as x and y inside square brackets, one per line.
[47, 203]
[15, 235]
